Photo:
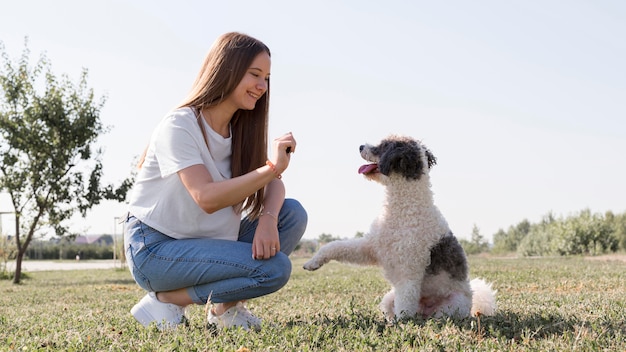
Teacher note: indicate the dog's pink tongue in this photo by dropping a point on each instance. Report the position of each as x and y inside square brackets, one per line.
[367, 168]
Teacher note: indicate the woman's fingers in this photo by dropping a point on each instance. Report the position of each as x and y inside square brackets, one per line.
[265, 251]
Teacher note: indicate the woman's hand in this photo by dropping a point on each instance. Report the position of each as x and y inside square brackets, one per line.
[266, 243]
[282, 147]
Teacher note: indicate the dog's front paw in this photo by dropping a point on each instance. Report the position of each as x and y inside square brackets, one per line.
[312, 264]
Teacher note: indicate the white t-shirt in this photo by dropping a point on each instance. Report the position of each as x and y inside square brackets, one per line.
[158, 197]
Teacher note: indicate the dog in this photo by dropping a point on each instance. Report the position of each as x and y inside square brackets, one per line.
[411, 240]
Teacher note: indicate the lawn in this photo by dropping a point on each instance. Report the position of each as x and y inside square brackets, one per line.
[545, 304]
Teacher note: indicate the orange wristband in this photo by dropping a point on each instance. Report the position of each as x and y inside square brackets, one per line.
[273, 167]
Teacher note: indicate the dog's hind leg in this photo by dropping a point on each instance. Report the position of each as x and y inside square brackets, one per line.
[354, 251]
[386, 305]
[407, 299]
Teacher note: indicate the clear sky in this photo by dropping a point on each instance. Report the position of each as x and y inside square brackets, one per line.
[522, 102]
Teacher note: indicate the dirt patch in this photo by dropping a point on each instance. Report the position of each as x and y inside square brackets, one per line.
[609, 257]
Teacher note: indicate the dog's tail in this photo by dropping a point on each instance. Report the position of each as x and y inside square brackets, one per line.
[483, 298]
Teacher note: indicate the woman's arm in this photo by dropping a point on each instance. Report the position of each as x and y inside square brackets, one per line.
[274, 197]
[212, 196]
[266, 242]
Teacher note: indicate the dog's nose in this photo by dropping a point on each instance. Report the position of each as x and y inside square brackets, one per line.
[361, 148]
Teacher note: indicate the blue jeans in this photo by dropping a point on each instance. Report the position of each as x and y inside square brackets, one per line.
[213, 270]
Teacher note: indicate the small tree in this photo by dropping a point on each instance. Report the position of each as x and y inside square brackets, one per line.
[618, 222]
[6, 251]
[48, 164]
[477, 244]
[509, 241]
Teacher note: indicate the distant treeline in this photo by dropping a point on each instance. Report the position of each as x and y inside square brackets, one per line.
[584, 233]
[63, 248]
[49, 251]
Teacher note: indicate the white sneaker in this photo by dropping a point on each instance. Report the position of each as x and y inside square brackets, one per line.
[237, 316]
[165, 315]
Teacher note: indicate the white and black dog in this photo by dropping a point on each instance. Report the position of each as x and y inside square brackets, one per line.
[411, 240]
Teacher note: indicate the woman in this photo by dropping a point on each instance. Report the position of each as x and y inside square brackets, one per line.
[208, 219]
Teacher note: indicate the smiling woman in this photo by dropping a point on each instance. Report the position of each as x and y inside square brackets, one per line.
[208, 219]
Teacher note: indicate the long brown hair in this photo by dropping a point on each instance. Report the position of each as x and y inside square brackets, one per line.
[224, 67]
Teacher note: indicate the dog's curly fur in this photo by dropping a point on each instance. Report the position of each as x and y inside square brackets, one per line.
[411, 240]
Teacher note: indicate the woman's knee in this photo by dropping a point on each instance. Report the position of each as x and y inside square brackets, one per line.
[292, 225]
[296, 210]
[280, 269]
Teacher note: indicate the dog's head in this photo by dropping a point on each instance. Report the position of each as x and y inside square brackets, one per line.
[396, 155]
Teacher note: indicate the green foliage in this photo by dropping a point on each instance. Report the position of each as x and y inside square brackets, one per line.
[48, 162]
[619, 228]
[548, 304]
[583, 233]
[7, 252]
[477, 244]
[508, 241]
[327, 238]
[306, 247]
[60, 250]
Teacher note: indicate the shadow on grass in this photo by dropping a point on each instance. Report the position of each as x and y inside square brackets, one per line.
[508, 325]
[353, 321]
[515, 326]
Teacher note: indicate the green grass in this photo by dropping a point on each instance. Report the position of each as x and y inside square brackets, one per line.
[548, 304]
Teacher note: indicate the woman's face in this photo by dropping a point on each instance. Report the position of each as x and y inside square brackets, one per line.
[253, 84]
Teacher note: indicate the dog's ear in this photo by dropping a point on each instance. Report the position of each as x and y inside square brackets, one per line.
[431, 158]
[403, 158]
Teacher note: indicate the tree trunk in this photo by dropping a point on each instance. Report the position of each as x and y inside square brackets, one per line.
[21, 250]
[18, 267]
